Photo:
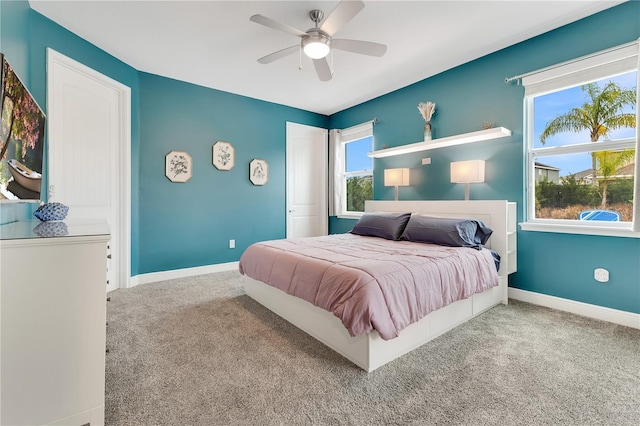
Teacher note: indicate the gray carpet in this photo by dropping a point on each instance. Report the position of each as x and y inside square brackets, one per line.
[198, 351]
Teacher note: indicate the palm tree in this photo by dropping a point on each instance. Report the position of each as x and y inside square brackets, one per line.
[604, 114]
[609, 162]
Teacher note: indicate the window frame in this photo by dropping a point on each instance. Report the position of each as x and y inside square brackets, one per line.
[346, 175]
[347, 136]
[601, 65]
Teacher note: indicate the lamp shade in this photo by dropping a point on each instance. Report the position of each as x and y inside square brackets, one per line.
[471, 171]
[396, 177]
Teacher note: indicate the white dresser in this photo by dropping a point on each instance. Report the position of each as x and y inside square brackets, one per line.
[53, 322]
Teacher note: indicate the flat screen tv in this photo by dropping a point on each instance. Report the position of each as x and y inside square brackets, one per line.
[21, 139]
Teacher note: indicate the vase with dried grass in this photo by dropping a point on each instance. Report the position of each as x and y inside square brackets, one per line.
[427, 109]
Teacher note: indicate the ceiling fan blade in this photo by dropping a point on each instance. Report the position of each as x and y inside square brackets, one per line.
[343, 13]
[279, 54]
[322, 69]
[268, 22]
[358, 46]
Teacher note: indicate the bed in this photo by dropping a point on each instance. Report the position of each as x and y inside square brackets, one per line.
[382, 344]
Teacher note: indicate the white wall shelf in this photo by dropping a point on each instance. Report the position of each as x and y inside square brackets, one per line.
[480, 135]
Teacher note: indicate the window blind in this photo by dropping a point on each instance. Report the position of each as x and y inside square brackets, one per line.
[617, 60]
[359, 131]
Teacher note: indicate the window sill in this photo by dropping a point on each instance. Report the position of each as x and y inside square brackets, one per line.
[579, 228]
[350, 215]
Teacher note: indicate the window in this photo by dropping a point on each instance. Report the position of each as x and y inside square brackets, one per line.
[358, 174]
[582, 144]
[352, 169]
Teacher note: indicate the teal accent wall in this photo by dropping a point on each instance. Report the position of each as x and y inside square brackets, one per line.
[25, 36]
[190, 224]
[174, 225]
[181, 225]
[340, 226]
[14, 36]
[466, 96]
[47, 34]
[14, 44]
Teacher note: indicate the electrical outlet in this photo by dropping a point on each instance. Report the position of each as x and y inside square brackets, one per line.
[232, 244]
[601, 275]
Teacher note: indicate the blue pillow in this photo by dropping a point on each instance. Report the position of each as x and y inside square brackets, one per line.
[383, 225]
[447, 231]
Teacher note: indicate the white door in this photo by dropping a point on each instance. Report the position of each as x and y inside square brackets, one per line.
[88, 124]
[307, 174]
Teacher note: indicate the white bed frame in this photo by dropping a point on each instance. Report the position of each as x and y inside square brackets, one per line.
[370, 351]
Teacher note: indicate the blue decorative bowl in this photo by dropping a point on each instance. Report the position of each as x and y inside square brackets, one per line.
[51, 211]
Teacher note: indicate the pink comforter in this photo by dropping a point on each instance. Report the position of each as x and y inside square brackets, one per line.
[371, 283]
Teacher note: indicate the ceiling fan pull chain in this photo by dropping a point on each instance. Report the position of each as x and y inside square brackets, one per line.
[300, 58]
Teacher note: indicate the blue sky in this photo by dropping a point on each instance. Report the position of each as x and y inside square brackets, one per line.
[547, 107]
[357, 155]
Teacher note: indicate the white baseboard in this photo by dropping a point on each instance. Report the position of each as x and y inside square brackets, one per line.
[181, 273]
[628, 319]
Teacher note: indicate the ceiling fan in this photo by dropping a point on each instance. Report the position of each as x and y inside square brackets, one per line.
[318, 41]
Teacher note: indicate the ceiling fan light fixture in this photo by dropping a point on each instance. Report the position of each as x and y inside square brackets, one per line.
[316, 46]
[318, 42]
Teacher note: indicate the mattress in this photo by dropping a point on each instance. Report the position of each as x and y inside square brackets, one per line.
[371, 283]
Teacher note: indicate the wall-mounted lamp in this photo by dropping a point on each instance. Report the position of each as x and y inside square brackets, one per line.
[396, 177]
[467, 172]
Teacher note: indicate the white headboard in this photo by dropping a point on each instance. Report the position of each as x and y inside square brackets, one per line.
[499, 215]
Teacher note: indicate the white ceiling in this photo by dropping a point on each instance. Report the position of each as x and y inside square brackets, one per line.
[213, 43]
